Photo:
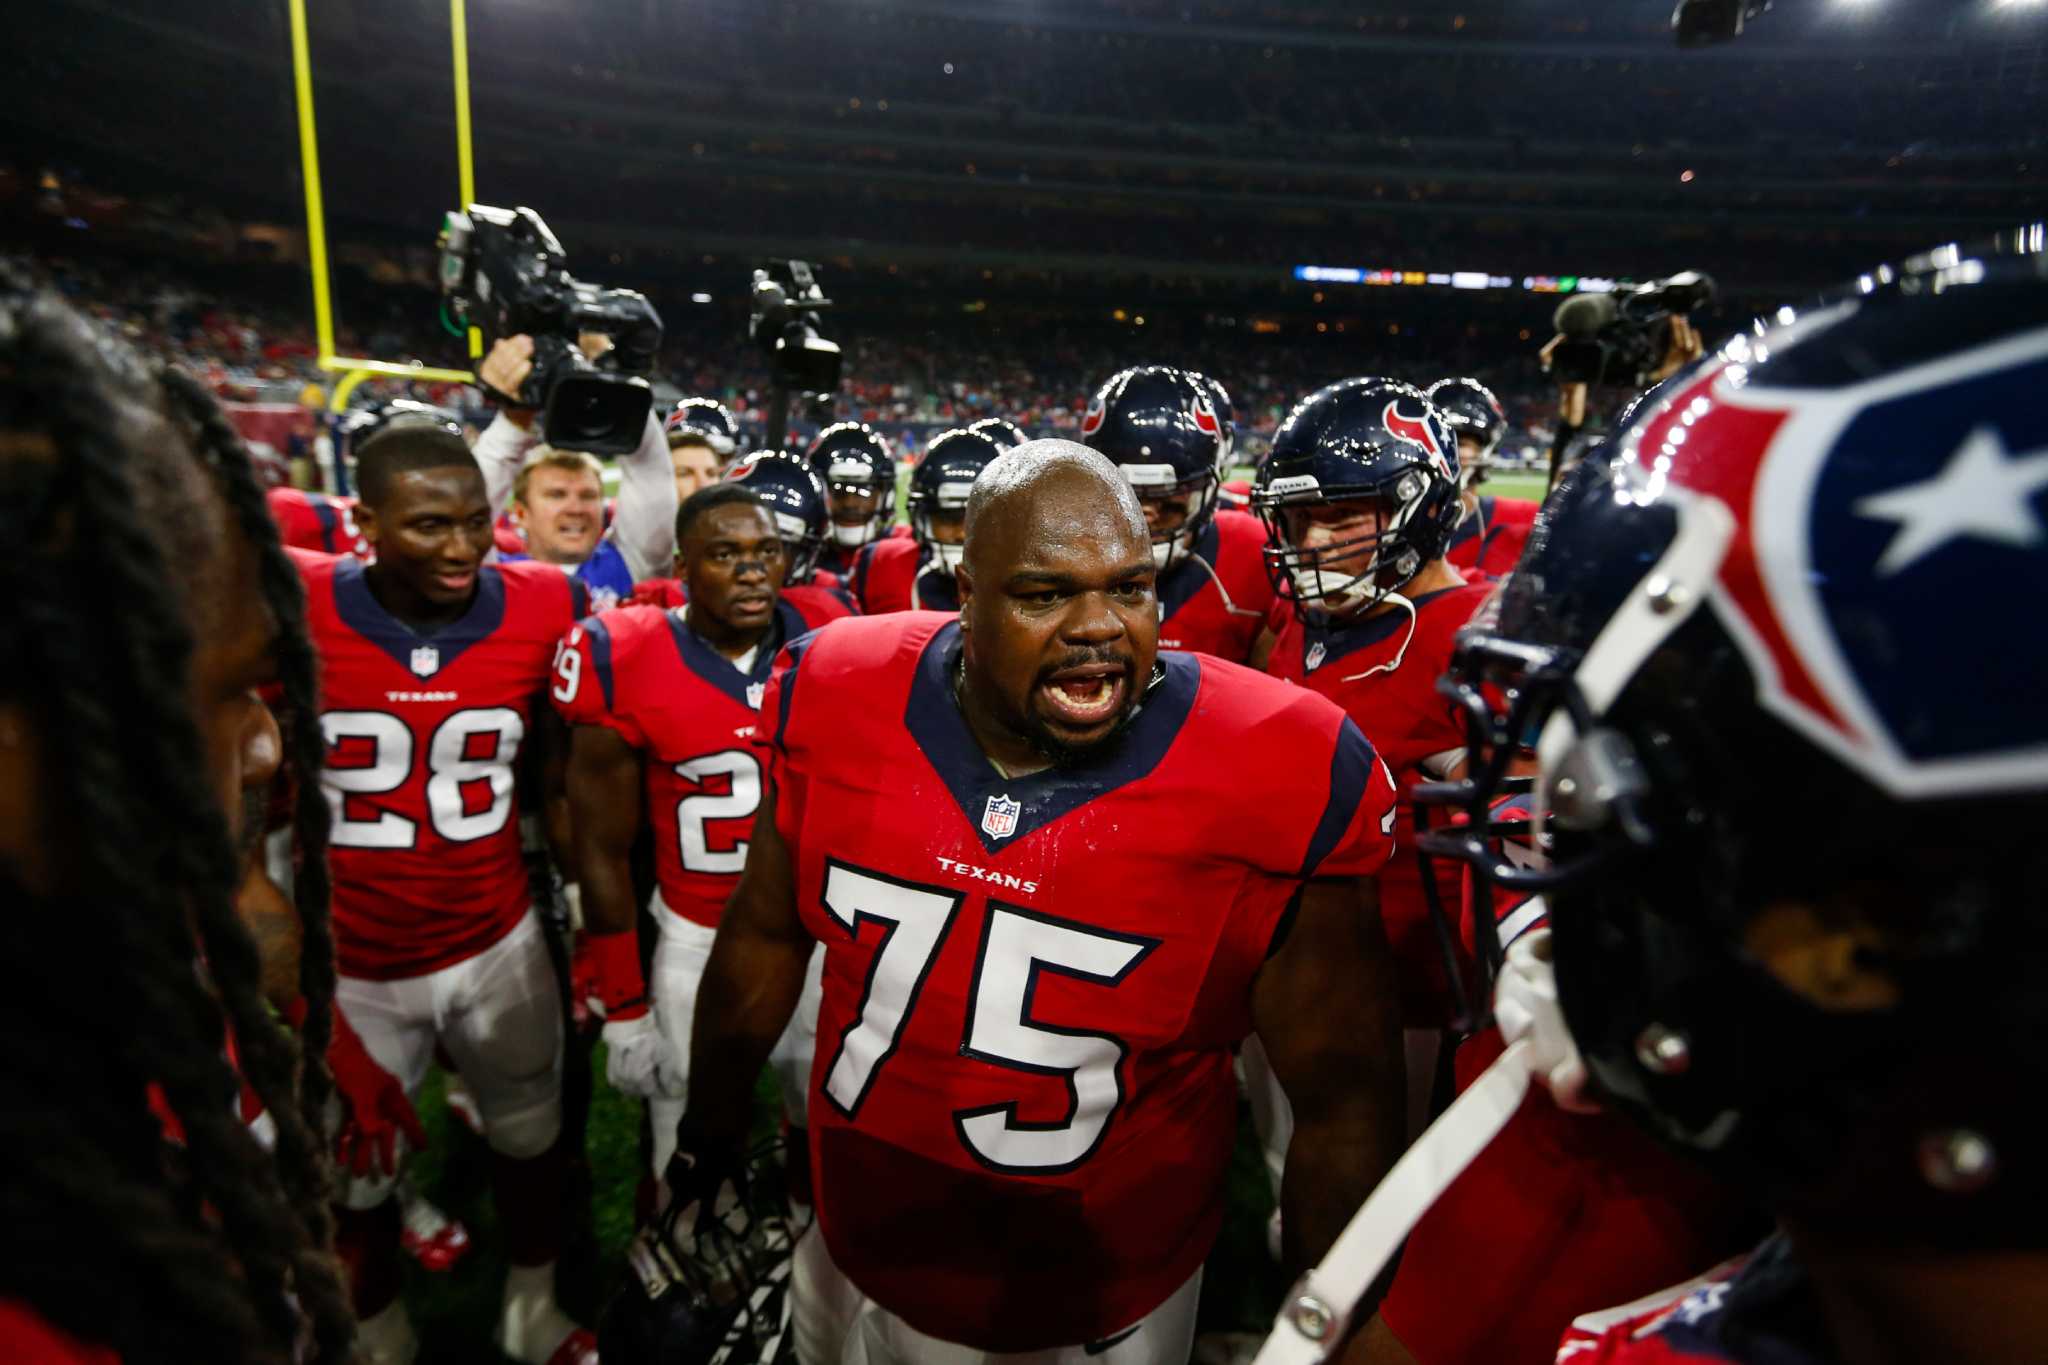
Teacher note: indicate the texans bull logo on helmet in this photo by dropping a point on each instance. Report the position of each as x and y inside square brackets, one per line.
[1416, 429]
[1873, 658]
[1091, 421]
[1205, 418]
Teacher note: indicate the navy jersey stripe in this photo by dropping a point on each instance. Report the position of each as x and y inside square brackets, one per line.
[798, 648]
[600, 654]
[1350, 769]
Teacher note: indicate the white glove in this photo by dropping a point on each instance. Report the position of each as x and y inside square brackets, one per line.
[1526, 1007]
[639, 1061]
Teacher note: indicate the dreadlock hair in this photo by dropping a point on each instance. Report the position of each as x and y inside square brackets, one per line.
[130, 963]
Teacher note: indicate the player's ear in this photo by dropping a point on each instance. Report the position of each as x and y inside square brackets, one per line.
[963, 586]
[367, 526]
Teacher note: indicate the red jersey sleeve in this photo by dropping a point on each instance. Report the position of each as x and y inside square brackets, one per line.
[770, 733]
[584, 686]
[1355, 836]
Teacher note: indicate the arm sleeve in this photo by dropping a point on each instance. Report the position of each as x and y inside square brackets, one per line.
[772, 736]
[645, 527]
[499, 452]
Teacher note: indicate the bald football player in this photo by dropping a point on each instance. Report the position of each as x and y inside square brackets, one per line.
[1052, 904]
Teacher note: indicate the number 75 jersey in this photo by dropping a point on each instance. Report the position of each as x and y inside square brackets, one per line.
[423, 738]
[1022, 1105]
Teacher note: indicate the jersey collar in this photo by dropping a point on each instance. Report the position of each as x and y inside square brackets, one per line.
[1350, 637]
[1019, 805]
[360, 610]
[714, 668]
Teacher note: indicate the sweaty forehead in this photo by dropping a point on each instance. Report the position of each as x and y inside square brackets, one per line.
[734, 521]
[1068, 520]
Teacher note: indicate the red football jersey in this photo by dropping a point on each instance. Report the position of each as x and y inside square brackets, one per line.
[897, 575]
[1491, 539]
[640, 671]
[1220, 612]
[1560, 1212]
[1023, 1104]
[423, 735]
[1384, 676]
[316, 521]
[1758, 1309]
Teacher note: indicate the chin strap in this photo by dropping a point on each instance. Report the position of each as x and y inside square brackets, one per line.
[1228, 605]
[1405, 605]
[1315, 1319]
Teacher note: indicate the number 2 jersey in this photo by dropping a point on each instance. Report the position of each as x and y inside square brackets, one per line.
[641, 672]
[423, 737]
[1022, 1102]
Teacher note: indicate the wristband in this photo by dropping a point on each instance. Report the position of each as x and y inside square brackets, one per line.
[615, 959]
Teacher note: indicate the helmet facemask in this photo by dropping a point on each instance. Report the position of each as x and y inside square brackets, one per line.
[858, 477]
[1159, 485]
[949, 501]
[1316, 575]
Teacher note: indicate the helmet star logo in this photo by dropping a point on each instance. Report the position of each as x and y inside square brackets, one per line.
[1981, 493]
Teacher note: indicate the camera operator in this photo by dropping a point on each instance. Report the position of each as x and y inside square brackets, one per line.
[557, 495]
[1620, 344]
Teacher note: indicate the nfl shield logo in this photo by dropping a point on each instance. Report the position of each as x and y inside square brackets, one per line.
[1315, 656]
[754, 691]
[426, 660]
[999, 821]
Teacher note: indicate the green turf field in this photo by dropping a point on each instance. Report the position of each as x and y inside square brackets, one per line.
[454, 1312]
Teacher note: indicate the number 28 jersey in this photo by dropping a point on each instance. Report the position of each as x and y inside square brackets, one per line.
[642, 673]
[1022, 1105]
[423, 736]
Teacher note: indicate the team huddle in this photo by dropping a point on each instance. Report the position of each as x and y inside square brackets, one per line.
[1017, 839]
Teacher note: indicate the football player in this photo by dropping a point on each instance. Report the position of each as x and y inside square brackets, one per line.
[693, 459]
[129, 752]
[1359, 496]
[662, 702]
[859, 472]
[917, 574]
[1052, 903]
[432, 661]
[556, 497]
[1160, 426]
[1490, 536]
[795, 498]
[1795, 883]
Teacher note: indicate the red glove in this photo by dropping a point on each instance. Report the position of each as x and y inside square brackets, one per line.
[375, 1108]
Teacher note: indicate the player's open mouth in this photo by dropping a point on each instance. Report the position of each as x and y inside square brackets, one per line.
[455, 582]
[1086, 696]
[751, 602]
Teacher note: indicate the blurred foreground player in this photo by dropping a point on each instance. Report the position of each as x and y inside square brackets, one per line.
[917, 574]
[663, 704]
[1797, 884]
[1161, 428]
[1491, 533]
[150, 1217]
[432, 665]
[1023, 1106]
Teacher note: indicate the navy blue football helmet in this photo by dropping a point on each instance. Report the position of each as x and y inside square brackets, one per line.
[1159, 425]
[795, 495]
[1004, 431]
[940, 484]
[1475, 415]
[710, 419]
[858, 467]
[1375, 441]
[1791, 758]
[712, 1290]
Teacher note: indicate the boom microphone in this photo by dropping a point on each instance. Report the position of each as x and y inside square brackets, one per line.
[1582, 316]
